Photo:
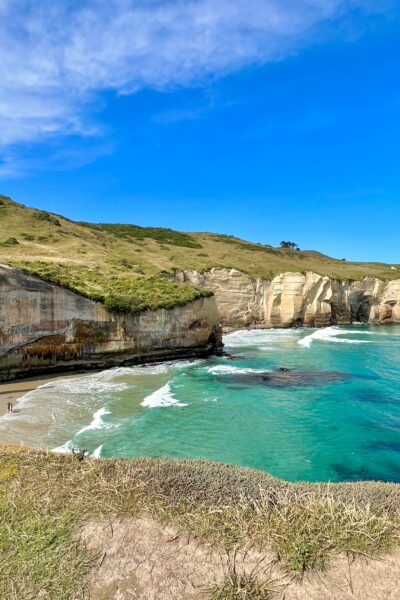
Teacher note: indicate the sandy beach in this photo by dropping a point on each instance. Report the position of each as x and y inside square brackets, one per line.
[13, 390]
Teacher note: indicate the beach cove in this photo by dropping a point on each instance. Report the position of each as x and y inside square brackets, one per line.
[316, 405]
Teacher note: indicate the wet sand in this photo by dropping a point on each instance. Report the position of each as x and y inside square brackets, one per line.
[11, 391]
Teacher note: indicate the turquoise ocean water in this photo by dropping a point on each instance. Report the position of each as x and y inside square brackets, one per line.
[333, 415]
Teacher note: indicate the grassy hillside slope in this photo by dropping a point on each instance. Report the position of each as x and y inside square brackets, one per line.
[115, 263]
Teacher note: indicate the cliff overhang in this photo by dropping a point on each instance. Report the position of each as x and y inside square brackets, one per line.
[45, 327]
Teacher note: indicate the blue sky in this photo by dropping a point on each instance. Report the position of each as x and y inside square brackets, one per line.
[264, 119]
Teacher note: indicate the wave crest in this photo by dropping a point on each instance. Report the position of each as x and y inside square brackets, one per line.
[161, 398]
[227, 369]
[97, 421]
[330, 334]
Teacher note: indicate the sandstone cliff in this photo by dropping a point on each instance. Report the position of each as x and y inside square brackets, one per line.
[294, 299]
[45, 327]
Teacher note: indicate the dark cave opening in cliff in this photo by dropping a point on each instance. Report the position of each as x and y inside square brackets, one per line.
[360, 307]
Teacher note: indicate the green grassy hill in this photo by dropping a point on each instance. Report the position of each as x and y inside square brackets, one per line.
[119, 264]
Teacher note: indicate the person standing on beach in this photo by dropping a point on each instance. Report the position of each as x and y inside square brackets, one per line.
[9, 407]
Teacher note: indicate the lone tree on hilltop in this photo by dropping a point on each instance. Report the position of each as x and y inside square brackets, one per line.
[291, 245]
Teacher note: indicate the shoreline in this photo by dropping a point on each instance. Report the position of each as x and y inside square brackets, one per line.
[12, 391]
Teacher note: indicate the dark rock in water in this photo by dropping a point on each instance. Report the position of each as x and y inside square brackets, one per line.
[392, 425]
[360, 473]
[393, 446]
[286, 378]
[284, 369]
[229, 356]
[374, 397]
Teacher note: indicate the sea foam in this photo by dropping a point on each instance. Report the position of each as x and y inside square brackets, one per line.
[230, 369]
[65, 448]
[161, 398]
[260, 338]
[97, 452]
[330, 334]
[97, 421]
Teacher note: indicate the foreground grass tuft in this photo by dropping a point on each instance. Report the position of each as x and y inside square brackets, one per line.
[241, 587]
[240, 583]
[305, 530]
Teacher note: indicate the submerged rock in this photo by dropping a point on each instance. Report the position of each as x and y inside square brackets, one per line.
[285, 378]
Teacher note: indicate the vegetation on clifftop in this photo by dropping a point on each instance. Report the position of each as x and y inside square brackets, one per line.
[46, 498]
[120, 292]
[134, 233]
[110, 262]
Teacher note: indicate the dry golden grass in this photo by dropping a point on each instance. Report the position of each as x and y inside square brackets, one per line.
[241, 584]
[111, 251]
[46, 498]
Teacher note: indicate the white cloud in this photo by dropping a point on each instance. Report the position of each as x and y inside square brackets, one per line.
[56, 57]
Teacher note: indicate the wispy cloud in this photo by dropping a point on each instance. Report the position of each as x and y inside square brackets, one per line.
[57, 57]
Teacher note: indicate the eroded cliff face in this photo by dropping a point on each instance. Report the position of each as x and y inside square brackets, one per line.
[295, 299]
[44, 327]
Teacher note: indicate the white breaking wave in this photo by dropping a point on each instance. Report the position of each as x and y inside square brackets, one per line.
[226, 369]
[151, 369]
[70, 390]
[260, 338]
[97, 421]
[330, 334]
[69, 446]
[65, 448]
[97, 452]
[85, 385]
[98, 383]
[162, 397]
[110, 374]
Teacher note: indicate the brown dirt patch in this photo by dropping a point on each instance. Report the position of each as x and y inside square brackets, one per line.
[142, 559]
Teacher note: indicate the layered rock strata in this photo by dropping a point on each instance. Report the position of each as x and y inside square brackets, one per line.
[297, 299]
[45, 327]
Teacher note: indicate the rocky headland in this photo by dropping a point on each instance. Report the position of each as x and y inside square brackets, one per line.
[46, 327]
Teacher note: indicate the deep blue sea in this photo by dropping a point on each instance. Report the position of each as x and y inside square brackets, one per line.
[302, 404]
